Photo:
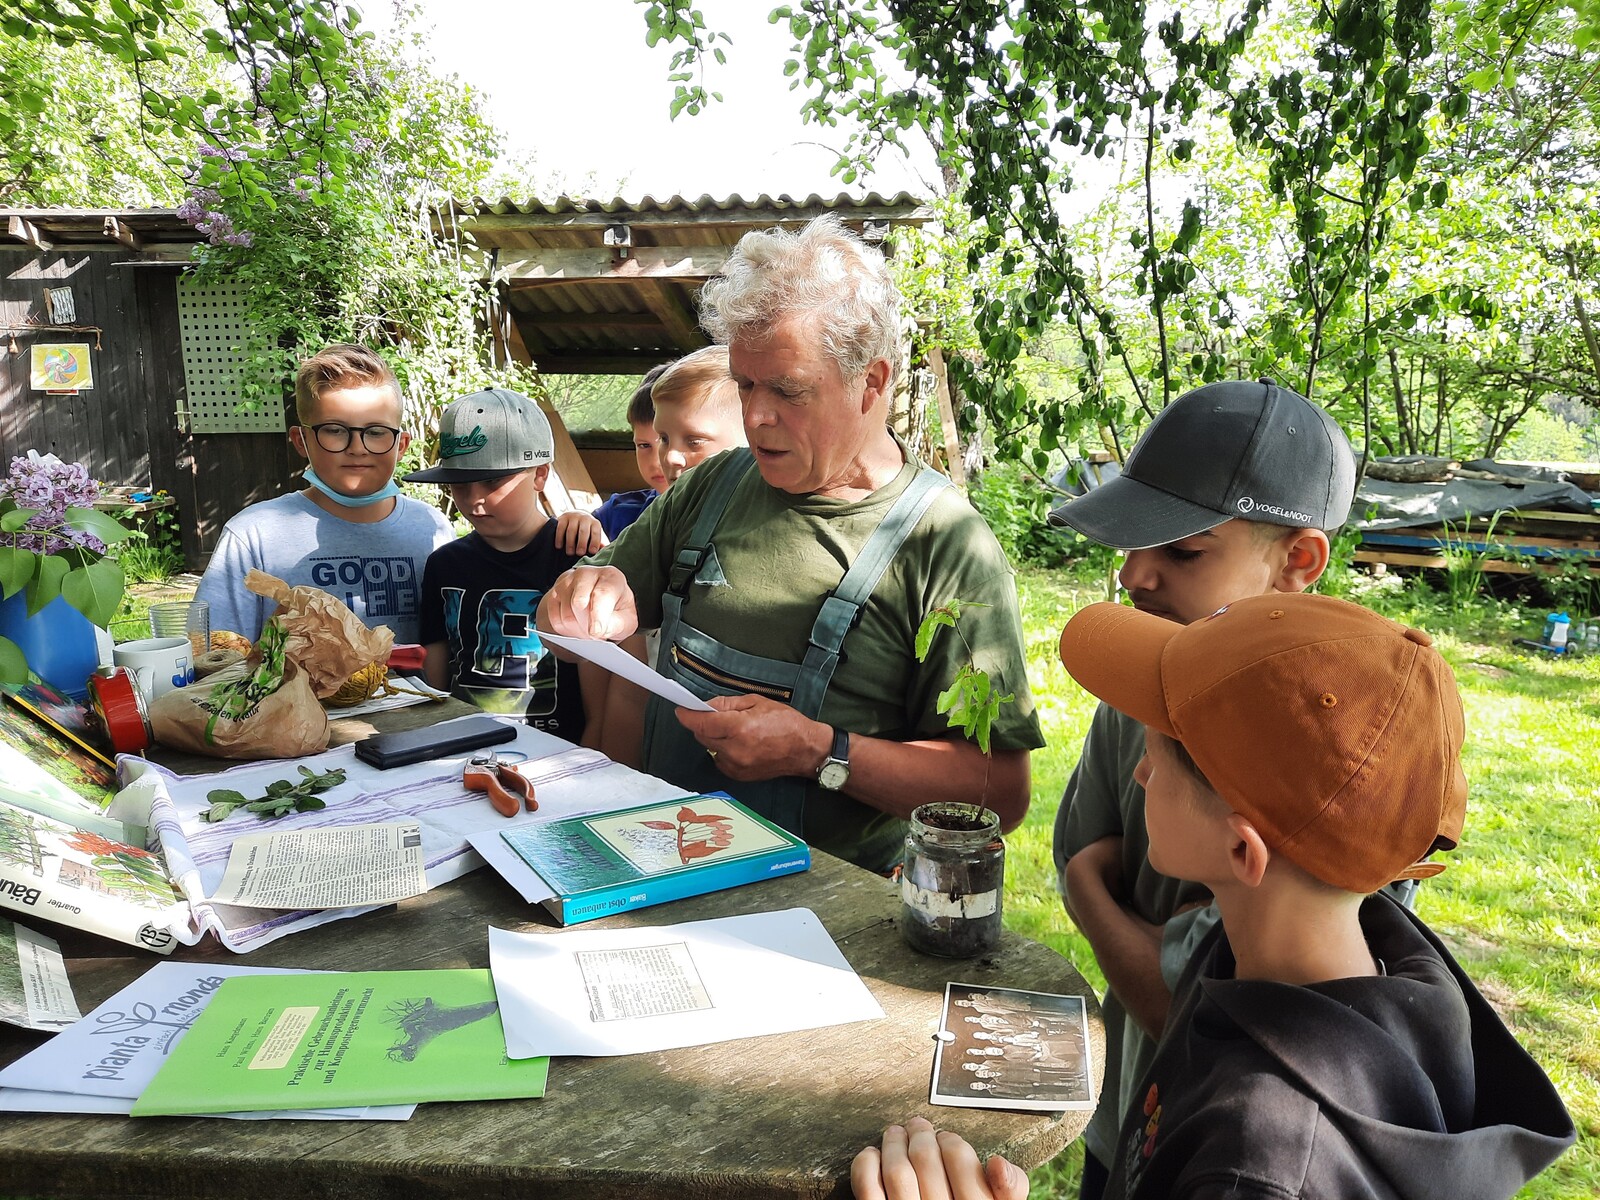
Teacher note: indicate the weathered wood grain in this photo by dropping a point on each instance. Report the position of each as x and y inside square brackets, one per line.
[759, 1117]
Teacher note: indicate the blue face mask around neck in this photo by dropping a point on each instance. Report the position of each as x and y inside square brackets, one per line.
[388, 492]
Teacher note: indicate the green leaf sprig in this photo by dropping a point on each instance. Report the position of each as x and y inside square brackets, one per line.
[283, 797]
[970, 702]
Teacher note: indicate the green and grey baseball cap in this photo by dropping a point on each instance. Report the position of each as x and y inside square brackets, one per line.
[1233, 449]
[489, 434]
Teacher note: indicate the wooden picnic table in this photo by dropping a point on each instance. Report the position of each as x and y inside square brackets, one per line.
[771, 1116]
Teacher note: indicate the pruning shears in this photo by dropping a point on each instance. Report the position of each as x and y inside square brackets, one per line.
[507, 788]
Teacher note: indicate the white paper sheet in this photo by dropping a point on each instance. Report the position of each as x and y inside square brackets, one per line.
[618, 661]
[633, 991]
[20, 1100]
[103, 1062]
[325, 868]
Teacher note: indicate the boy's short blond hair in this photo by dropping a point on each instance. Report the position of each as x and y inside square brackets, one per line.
[702, 376]
[340, 366]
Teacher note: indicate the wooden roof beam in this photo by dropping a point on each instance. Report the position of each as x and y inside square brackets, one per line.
[585, 322]
[19, 229]
[680, 323]
[693, 264]
[119, 232]
[605, 362]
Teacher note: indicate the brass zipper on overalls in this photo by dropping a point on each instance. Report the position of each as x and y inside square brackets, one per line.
[698, 666]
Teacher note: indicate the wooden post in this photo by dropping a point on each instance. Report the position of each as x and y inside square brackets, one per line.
[947, 418]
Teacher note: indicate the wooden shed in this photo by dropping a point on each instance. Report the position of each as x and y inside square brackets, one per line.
[590, 287]
[110, 280]
[580, 287]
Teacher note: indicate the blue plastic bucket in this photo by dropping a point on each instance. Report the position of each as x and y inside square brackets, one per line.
[58, 642]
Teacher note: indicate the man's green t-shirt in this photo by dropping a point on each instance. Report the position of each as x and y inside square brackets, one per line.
[776, 558]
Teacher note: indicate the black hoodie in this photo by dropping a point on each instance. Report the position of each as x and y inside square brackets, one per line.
[1400, 1085]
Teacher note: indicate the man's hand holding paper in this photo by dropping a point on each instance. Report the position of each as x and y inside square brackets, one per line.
[589, 602]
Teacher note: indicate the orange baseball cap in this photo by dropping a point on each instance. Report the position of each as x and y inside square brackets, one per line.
[1337, 732]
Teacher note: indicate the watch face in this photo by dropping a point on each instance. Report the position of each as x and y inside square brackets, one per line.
[833, 774]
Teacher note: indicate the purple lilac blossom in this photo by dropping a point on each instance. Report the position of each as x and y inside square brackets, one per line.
[51, 487]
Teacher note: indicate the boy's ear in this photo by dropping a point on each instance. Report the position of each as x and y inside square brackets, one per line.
[541, 475]
[297, 439]
[1305, 557]
[1247, 854]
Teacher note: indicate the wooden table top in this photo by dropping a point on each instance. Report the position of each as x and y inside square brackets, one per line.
[771, 1116]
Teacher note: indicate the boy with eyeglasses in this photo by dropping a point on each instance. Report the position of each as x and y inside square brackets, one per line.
[349, 532]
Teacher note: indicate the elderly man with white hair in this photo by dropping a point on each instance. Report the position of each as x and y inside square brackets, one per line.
[789, 596]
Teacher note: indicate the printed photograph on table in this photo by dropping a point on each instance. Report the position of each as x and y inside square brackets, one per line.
[1003, 1048]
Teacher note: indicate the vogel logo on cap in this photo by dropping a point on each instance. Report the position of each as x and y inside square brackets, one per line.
[1335, 731]
[1226, 450]
[489, 434]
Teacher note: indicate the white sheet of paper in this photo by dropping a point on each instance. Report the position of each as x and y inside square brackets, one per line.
[102, 1063]
[22, 1101]
[633, 991]
[618, 661]
[325, 868]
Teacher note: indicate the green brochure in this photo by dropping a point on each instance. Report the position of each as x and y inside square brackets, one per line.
[342, 1040]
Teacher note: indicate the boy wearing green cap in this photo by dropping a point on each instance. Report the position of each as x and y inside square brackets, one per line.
[479, 594]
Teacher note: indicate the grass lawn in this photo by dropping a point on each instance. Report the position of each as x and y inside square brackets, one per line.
[1520, 904]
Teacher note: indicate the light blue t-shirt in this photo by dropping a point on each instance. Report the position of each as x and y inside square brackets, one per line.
[374, 568]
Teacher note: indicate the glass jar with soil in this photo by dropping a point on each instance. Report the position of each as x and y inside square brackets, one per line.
[952, 880]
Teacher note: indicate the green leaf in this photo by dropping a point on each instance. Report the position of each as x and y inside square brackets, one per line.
[16, 568]
[225, 796]
[16, 518]
[45, 586]
[95, 590]
[13, 664]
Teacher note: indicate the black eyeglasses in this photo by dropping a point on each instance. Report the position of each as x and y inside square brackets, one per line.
[334, 437]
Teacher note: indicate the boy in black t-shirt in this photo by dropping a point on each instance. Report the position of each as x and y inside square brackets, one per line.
[479, 593]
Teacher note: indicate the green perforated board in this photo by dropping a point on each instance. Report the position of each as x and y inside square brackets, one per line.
[212, 321]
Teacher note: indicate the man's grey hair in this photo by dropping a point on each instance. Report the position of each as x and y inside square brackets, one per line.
[824, 271]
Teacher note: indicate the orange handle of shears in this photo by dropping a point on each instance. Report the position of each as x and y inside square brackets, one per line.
[508, 790]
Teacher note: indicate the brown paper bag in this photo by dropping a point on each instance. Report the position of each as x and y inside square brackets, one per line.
[269, 705]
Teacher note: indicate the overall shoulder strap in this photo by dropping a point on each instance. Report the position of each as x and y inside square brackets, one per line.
[715, 503]
[842, 608]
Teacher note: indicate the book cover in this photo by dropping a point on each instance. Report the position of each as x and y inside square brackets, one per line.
[63, 872]
[65, 715]
[43, 770]
[635, 857]
[270, 1042]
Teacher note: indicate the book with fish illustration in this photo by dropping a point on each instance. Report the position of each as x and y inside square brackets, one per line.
[271, 1042]
[634, 857]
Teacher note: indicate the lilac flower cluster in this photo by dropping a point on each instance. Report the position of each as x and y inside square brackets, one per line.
[50, 486]
[201, 210]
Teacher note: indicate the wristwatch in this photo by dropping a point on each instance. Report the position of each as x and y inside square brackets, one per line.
[834, 772]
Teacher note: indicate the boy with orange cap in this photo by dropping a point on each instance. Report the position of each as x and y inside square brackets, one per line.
[1301, 753]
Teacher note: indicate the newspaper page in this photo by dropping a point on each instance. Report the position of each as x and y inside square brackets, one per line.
[34, 990]
[336, 867]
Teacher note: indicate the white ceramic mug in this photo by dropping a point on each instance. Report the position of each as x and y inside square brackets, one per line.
[159, 664]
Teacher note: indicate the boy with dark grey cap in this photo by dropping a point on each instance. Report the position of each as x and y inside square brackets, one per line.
[479, 594]
[1231, 492]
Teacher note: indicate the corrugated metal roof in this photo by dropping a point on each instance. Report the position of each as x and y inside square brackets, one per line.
[732, 205]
